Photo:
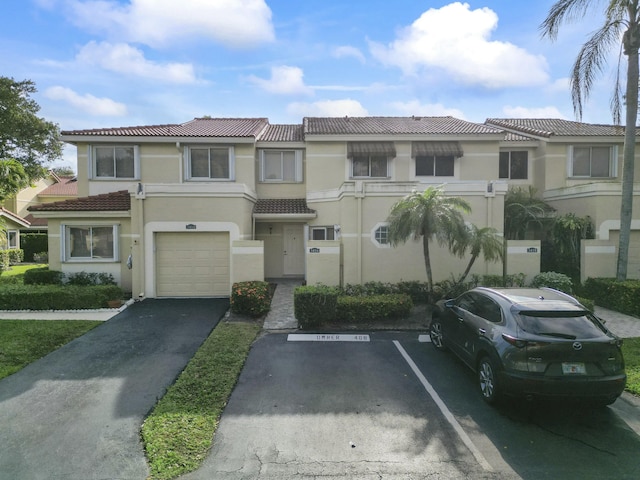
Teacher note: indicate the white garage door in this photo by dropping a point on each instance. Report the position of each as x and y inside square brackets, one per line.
[192, 264]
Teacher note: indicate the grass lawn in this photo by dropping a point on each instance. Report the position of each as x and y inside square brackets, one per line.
[24, 341]
[21, 268]
[631, 351]
[178, 433]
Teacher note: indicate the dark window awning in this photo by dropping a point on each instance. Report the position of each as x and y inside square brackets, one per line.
[438, 149]
[357, 149]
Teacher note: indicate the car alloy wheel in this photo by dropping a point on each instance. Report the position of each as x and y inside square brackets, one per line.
[487, 380]
[435, 333]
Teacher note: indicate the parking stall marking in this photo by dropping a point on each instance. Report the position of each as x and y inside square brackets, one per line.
[445, 411]
[326, 337]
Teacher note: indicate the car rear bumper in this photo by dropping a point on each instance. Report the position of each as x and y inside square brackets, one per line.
[520, 384]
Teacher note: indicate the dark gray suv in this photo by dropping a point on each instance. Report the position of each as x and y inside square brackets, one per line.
[531, 342]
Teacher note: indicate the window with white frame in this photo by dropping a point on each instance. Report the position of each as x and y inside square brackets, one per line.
[115, 162]
[435, 166]
[12, 238]
[380, 235]
[369, 166]
[322, 233]
[90, 243]
[592, 161]
[280, 166]
[514, 165]
[210, 163]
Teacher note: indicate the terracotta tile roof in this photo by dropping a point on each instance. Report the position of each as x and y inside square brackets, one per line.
[283, 206]
[393, 126]
[14, 217]
[198, 127]
[36, 222]
[548, 127]
[66, 187]
[282, 133]
[516, 137]
[113, 201]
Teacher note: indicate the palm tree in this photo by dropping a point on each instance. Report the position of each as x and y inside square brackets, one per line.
[428, 215]
[620, 17]
[486, 241]
[522, 211]
[13, 178]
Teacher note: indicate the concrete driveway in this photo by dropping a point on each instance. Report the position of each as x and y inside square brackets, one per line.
[76, 413]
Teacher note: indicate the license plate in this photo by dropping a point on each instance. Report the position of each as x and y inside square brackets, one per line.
[573, 368]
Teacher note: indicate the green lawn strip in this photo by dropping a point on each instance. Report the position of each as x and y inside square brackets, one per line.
[631, 351]
[24, 341]
[178, 433]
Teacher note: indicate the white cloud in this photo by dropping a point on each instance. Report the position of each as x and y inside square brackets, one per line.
[285, 80]
[346, 51]
[414, 107]
[328, 108]
[456, 41]
[524, 112]
[561, 85]
[158, 23]
[87, 103]
[125, 59]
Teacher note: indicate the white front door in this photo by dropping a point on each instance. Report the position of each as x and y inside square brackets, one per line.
[293, 250]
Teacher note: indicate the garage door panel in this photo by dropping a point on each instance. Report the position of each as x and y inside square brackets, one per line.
[192, 264]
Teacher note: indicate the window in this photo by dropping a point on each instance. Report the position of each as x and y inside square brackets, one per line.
[514, 165]
[210, 163]
[435, 165]
[381, 235]
[91, 242]
[369, 166]
[322, 233]
[12, 239]
[281, 166]
[594, 162]
[111, 162]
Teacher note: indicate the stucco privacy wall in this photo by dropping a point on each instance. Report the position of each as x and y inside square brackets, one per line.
[323, 262]
[523, 256]
[247, 260]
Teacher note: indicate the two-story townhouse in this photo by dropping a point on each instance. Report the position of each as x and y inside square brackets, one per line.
[578, 169]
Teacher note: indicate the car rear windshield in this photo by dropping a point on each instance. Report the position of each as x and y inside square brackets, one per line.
[569, 325]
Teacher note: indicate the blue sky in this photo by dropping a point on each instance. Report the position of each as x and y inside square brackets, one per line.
[109, 63]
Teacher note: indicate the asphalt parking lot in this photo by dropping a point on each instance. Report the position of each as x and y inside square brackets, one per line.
[392, 407]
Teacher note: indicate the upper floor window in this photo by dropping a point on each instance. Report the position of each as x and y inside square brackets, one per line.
[370, 159]
[435, 166]
[90, 242]
[115, 162]
[210, 163]
[593, 161]
[322, 233]
[514, 165]
[280, 166]
[369, 166]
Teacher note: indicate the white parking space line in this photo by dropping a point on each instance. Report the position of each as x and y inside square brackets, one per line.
[424, 338]
[445, 411]
[326, 337]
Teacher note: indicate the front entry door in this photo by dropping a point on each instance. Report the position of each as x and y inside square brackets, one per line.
[293, 250]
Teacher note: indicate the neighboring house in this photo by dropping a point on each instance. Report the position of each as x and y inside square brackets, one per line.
[188, 209]
[11, 229]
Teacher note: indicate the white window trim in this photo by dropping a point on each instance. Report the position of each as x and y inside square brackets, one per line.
[91, 162]
[613, 161]
[325, 229]
[187, 164]
[65, 246]
[15, 242]
[523, 180]
[373, 235]
[297, 167]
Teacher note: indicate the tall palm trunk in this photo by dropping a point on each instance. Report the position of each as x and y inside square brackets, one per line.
[427, 261]
[631, 43]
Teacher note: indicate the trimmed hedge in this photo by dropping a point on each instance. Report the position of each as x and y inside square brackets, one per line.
[43, 276]
[622, 297]
[556, 280]
[55, 297]
[373, 307]
[33, 243]
[251, 298]
[314, 305]
[12, 256]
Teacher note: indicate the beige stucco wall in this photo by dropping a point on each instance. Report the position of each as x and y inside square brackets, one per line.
[247, 260]
[270, 233]
[598, 259]
[27, 197]
[323, 262]
[523, 256]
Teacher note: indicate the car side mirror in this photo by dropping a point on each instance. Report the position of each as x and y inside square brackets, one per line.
[449, 304]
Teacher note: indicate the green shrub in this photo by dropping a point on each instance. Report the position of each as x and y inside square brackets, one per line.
[57, 297]
[43, 276]
[373, 307]
[251, 298]
[33, 244]
[622, 297]
[12, 256]
[588, 303]
[556, 280]
[492, 281]
[41, 257]
[418, 291]
[90, 278]
[314, 305]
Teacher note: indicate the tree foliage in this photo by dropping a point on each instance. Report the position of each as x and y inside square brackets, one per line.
[478, 241]
[428, 215]
[620, 30]
[24, 136]
[523, 212]
[13, 178]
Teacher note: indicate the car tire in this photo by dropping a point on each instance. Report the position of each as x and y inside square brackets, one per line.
[488, 380]
[436, 335]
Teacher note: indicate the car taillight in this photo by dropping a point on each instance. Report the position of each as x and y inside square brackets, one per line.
[516, 342]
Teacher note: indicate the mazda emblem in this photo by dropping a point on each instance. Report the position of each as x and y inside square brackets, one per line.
[577, 346]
